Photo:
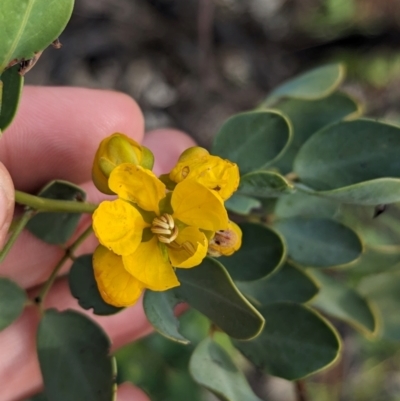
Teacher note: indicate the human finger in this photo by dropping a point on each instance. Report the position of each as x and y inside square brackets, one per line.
[128, 392]
[57, 130]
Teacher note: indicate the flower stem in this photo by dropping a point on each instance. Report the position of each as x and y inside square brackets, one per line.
[53, 205]
[69, 254]
[17, 230]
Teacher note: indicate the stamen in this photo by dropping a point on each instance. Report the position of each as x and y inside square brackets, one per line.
[189, 248]
[170, 220]
[159, 230]
[165, 229]
[162, 224]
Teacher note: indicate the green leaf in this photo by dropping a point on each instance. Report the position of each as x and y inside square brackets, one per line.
[209, 289]
[319, 242]
[241, 204]
[342, 302]
[383, 230]
[30, 26]
[264, 184]
[314, 84]
[295, 342]
[12, 302]
[74, 358]
[375, 260]
[57, 228]
[262, 252]
[212, 367]
[11, 84]
[305, 205]
[159, 310]
[383, 291]
[84, 288]
[289, 283]
[254, 139]
[308, 117]
[353, 162]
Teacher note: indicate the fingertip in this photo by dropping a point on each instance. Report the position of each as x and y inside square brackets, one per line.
[128, 392]
[167, 145]
[57, 130]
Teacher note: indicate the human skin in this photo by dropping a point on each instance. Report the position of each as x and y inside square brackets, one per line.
[55, 136]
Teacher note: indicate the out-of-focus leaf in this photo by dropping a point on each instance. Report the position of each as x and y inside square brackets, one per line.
[74, 358]
[342, 302]
[295, 342]
[383, 230]
[209, 289]
[305, 205]
[12, 302]
[308, 117]
[253, 139]
[212, 367]
[30, 26]
[84, 287]
[11, 83]
[384, 291]
[316, 242]
[241, 204]
[262, 252]
[288, 283]
[159, 309]
[375, 260]
[264, 184]
[57, 228]
[315, 84]
[353, 162]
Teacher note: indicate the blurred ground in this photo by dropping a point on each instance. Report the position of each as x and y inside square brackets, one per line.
[192, 63]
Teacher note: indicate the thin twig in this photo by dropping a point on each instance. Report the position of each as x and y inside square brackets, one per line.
[17, 230]
[69, 254]
[301, 391]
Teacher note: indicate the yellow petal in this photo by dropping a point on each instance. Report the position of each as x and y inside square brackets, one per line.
[226, 242]
[219, 175]
[150, 265]
[112, 151]
[117, 287]
[191, 248]
[118, 226]
[197, 206]
[137, 185]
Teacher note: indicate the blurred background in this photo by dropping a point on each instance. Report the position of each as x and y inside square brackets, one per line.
[191, 64]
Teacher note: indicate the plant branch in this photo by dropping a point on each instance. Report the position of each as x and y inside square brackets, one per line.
[300, 390]
[17, 230]
[69, 254]
[53, 205]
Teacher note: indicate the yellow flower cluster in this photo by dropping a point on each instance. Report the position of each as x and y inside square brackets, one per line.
[149, 231]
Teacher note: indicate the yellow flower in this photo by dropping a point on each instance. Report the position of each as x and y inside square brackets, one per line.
[113, 151]
[147, 231]
[226, 242]
[222, 176]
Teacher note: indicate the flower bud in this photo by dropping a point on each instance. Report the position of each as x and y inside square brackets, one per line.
[225, 242]
[213, 172]
[114, 150]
